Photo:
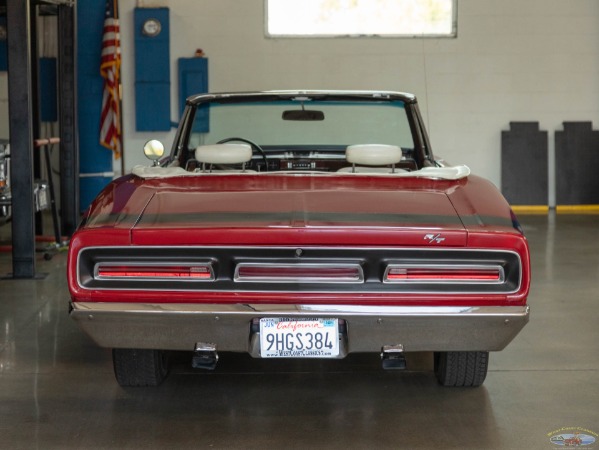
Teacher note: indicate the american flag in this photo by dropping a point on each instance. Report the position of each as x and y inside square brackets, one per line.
[110, 68]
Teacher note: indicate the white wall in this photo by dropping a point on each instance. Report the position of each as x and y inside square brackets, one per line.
[512, 60]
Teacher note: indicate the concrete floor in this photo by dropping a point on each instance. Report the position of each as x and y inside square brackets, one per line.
[57, 389]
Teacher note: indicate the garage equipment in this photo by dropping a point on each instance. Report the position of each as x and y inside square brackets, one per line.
[58, 244]
[5, 197]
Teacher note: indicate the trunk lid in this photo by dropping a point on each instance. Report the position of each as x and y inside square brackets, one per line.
[302, 213]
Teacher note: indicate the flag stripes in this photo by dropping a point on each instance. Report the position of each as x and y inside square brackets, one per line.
[110, 119]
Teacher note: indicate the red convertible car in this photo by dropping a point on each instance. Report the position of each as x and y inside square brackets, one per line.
[299, 224]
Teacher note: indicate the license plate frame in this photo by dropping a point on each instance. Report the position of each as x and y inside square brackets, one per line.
[289, 337]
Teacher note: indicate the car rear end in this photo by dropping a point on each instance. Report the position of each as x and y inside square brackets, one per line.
[233, 265]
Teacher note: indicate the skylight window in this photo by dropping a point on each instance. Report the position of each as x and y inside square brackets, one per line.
[357, 18]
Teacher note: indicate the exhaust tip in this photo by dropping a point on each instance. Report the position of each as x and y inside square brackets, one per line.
[393, 358]
[204, 356]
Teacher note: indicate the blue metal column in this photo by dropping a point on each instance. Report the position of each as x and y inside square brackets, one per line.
[95, 161]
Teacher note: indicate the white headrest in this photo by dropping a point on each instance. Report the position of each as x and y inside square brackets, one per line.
[373, 154]
[223, 153]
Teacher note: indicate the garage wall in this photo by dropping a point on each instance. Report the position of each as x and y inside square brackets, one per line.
[513, 60]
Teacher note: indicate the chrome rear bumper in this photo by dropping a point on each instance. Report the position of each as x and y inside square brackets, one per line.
[179, 326]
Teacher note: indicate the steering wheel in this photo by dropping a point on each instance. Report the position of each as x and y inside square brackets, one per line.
[255, 147]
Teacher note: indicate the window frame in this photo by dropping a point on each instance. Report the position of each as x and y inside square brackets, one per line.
[452, 35]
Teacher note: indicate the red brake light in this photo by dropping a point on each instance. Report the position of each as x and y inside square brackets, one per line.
[299, 273]
[446, 274]
[155, 271]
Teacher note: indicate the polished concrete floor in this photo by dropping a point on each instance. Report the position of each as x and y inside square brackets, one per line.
[57, 389]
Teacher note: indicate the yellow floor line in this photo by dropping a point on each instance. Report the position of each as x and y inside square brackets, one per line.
[577, 209]
[560, 209]
[530, 209]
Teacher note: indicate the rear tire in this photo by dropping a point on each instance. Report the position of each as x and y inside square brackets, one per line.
[139, 367]
[461, 369]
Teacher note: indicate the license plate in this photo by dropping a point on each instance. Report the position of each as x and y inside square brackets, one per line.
[299, 338]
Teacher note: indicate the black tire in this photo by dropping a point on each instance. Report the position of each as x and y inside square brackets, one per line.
[139, 367]
[461, 369]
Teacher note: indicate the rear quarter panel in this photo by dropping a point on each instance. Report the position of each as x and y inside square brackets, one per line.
[491, 223]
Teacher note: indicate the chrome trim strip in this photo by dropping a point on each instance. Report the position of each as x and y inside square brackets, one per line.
[496, 267]
[297, 279]
[296, 309]
[98, 266]
[421, 249]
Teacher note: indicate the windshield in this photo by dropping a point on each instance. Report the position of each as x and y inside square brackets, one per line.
[304, 122]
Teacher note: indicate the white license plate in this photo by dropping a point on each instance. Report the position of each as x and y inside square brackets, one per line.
[299, 338]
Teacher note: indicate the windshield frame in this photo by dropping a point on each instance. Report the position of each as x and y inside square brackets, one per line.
[422, 151]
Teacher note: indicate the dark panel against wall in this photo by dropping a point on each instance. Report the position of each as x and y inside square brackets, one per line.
[577, 164]
[524, 164]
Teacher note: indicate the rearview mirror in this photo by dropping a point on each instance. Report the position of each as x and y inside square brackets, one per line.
[303, 115]
[154, 150]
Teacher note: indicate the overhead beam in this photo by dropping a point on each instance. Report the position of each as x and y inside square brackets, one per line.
[57, 2]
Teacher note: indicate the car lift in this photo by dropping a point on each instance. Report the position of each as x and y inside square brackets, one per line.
[23, 102]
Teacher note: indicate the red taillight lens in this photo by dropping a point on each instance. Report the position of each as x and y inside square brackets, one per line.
[457, 274]
[300, 273]
[155, 271]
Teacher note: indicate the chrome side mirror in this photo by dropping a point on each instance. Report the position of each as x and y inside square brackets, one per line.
[154, 150]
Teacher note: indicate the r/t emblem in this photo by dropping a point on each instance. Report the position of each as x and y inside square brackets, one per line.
[434, 238]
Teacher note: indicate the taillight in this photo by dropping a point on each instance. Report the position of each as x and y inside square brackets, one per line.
[202, 272]
[299, 273]
[396, 273]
